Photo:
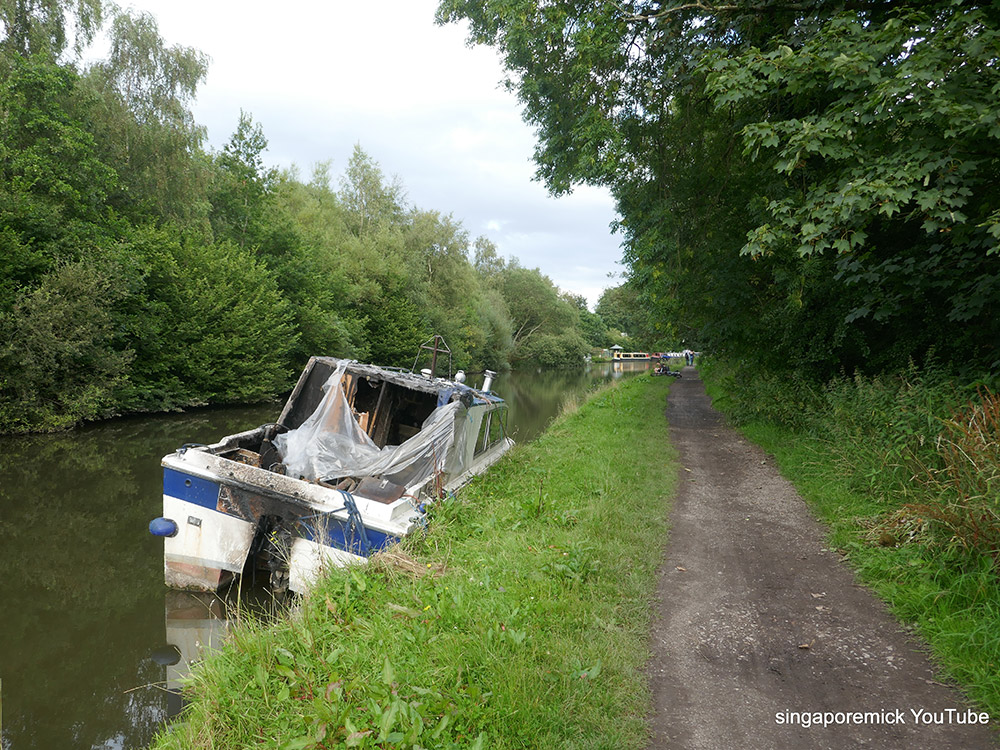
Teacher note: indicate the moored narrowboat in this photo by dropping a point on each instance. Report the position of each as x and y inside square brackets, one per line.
[622, 356]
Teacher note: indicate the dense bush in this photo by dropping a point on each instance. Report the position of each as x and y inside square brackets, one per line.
[555, 350]
[61, 360]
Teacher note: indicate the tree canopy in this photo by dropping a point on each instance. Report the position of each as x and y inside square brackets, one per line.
[810, 183]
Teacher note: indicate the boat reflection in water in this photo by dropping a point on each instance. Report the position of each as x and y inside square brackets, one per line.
[621, 367]
[196, 624]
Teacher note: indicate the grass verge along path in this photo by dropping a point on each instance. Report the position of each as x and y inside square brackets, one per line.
[520, 619]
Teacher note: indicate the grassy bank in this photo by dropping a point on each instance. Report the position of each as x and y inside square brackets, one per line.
[904, 471]
[520, 619]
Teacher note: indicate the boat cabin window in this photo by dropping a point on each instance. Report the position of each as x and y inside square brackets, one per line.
[492, 430]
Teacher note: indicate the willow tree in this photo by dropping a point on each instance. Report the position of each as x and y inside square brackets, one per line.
[147, 128]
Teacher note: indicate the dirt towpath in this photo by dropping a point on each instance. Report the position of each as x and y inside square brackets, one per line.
[757, 619]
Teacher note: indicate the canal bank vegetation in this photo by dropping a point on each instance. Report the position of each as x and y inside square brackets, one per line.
[809, 186]
[905, 470]
[141, 271]
[808, 191]
[520, 617]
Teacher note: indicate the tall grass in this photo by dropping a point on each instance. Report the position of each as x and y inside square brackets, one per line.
[963, 485]
[520, 620]
[895, 436]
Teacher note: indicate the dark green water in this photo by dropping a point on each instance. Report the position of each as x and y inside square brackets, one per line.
[84, 614]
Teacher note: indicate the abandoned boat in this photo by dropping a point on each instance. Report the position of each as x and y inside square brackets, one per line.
[349, 467]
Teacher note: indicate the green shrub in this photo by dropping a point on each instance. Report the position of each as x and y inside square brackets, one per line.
[60, 359]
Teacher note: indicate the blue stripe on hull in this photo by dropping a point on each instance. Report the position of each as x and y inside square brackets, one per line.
[331, 532]
[191, 489]
[337, 533]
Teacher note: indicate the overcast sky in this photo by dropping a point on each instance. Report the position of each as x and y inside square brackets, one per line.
[320, 77]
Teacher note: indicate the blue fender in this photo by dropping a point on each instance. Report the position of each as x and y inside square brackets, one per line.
[163, 527]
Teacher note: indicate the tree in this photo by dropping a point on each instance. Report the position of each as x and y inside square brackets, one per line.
[892, 171]
[848, 149]
[241, 185]
[435, 248]
[318, 274]
[495, 344]
[53, 184]
[369, 200]
[61, 360]
[207, 322]
[156, 82]
[489, 264]
[536, 308]
[394, 326]
[38, 27]
[146, 127]
[622, 309]
[47, 148]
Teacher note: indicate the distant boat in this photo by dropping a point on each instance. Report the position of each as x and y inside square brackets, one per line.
[348, 468]
[620, 356]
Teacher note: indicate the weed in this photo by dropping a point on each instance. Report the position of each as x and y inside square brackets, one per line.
[575, 564]
[965, 483]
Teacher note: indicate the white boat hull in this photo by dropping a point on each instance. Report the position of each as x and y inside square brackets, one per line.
[209, 546]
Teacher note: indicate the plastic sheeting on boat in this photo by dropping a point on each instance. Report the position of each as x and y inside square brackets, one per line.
[331, 443]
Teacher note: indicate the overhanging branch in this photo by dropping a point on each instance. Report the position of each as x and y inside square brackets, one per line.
[712, 8]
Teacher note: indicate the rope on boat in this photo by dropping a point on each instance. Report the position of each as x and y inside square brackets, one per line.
[355, 525]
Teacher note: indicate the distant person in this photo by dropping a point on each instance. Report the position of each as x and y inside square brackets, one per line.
[688, 357]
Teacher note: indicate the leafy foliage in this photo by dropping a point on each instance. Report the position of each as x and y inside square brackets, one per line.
[890, 167]
[810, 184]
[208, 324]
[138, 272]
[242, 185]
[146, 129]
[39, 27]
[59, 358]
[47, 162]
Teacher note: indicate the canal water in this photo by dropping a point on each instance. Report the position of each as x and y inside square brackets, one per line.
[85, 620]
